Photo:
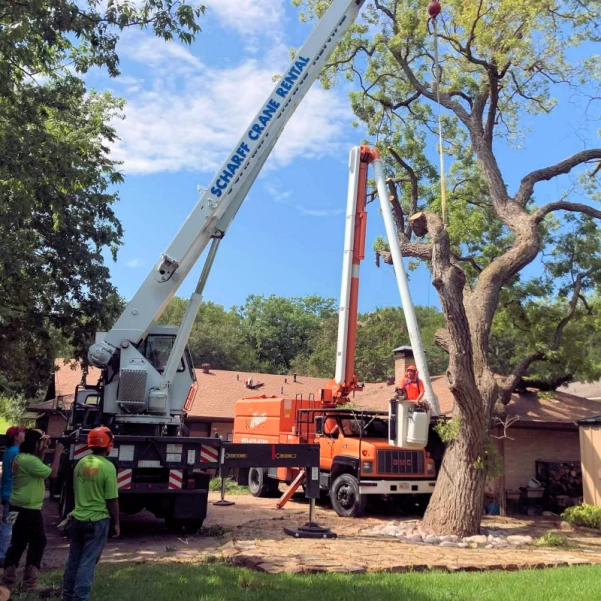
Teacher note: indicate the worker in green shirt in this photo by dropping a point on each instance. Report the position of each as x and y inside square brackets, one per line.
[96, 506]
[26, 499]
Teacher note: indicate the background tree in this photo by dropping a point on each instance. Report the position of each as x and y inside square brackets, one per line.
[379, 332]
[279, 328]
[217, 337]
[499, 62]
[57, 181]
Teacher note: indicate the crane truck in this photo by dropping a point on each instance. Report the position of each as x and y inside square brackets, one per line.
[148, 383]
[362, 453]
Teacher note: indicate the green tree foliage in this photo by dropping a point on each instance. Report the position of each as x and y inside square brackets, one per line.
[217, 337]
[378, 334]
[57, 181]
[279, 328]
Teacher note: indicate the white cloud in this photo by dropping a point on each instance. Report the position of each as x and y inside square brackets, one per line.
[318, 212]
[274, 189]
[248, 17]
[133, 263]
[188, 116]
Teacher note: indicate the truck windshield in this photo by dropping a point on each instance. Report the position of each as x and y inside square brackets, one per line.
[157, 349]
[375, 428]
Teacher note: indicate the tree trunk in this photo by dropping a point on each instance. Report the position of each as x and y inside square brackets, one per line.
[457, 503]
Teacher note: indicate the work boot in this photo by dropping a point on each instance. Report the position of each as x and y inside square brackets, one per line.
[30, 583]
[9, 577]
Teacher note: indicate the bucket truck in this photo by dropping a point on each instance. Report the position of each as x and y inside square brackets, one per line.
[148, 383]
[362, 453]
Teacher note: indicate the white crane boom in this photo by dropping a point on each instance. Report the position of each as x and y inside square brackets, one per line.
[217, 207]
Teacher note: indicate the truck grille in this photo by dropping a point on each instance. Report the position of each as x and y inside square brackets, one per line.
[400, 462]
[132, 386]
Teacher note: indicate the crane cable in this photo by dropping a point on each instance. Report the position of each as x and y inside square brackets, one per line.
[434, 10]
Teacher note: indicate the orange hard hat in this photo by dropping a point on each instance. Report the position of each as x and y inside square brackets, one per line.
[412, 367]
[100, 438]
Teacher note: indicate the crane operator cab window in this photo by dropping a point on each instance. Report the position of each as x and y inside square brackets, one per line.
[157, 349]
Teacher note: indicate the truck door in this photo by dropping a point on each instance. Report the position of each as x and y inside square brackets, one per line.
[327, 441]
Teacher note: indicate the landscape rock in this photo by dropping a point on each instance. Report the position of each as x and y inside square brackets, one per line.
[415, 538]
[463, 545]
[448, 543]
[478, 538]
[449, 537]
[390, 530]
[432, 540]
[521, 539]
[489, 546]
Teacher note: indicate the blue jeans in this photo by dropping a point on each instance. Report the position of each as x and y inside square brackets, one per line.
[6, 530]
[87, 542]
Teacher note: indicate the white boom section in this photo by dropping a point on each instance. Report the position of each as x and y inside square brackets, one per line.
[217, 207]
[403, 284]
[347, 264]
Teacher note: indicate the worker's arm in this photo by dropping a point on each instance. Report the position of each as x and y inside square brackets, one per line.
[113, 507]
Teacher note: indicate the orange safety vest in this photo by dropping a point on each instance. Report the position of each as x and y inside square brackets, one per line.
[414, 389]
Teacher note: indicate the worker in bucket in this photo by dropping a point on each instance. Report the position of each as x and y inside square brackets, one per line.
[14, 438]
[29, 474]
[96, 507]
[414, 387]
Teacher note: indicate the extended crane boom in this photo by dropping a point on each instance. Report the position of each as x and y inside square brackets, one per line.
[218, 206]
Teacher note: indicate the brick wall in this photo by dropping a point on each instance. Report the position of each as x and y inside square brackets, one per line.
[223, 429]
[530, 446]
[402, 360]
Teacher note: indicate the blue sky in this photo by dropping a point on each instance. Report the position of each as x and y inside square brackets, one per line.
[187, 107]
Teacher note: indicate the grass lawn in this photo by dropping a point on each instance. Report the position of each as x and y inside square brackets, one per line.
[218, 582]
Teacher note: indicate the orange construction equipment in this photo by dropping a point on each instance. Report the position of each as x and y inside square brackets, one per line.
[357, 458]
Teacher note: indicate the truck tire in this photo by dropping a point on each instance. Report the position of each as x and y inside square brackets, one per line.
[260, 484]
[345, 497]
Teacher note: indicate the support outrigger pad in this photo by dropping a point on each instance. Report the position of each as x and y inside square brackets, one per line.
[224, 503]
[310, 530]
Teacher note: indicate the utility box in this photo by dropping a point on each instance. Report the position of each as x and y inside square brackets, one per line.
[590, 459]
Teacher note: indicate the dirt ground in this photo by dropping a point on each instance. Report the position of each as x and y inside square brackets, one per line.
[250, 533]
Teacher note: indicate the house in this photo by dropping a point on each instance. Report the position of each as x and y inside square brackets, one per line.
[588, 390]
[543, 427]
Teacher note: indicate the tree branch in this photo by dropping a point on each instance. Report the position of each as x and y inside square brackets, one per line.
[562, 205]
[412, 177]
[529, 181]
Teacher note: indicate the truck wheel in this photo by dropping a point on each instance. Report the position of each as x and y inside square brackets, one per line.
[258, 482]
[345, 497]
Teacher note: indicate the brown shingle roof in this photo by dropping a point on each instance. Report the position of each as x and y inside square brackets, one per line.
[219, 390]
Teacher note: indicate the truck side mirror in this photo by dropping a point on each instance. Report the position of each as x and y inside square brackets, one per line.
[319, 423]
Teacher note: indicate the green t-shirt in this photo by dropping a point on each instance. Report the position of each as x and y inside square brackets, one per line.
[29, 473]
[95, 481]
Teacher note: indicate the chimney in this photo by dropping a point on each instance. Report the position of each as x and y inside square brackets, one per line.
[403, 358]
[294, 377]
[206, 368]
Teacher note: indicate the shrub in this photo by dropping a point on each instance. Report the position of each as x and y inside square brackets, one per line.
[583, 515]
[549, 539]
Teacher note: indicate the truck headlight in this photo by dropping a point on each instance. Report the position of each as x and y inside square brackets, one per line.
[367, 467]
[431, 469]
